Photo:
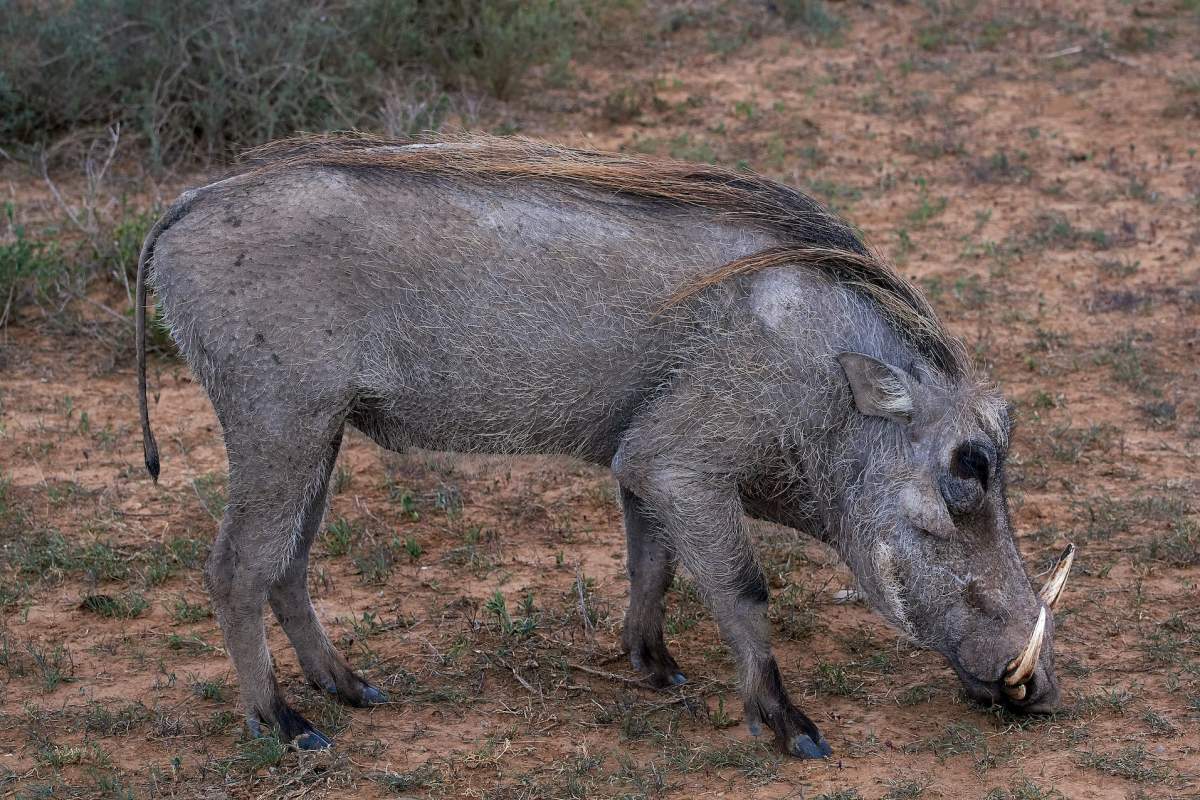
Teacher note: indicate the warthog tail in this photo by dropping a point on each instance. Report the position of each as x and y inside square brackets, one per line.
[177, 210]
[149, 445]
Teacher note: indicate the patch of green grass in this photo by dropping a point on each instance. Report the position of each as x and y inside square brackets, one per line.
[1025, 790]
[927, 207]
[405, 499]
[212, 690]
[376, 562]
[162, 561]
[1116, 700]
[340, 536]
[53, 663]
[1053, 229]
[426, 776]
[191, 644]
[756, 761]
[125, 606]
[1108, 516]
[1159, 723]
[917, 695]
[835, 679]
[1000, 167]
[520, 626]
[28, 266]
[960, 738]
[907, 788]
[72, 66]
[1179, 547]
[110, 719]
[252, 755]
[1132, 762]
[210, 490]
[814, 17]
[185, 612]
[1069, 444]
[49, 555]
[1132, 365]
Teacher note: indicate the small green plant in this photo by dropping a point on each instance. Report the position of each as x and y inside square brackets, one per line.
[210, 490]
[124, 606]
[413, 548]
[927, 207]
[185, 612]
[840, 794]
[836, 680]
[425, 776]
[1053, 229]
[340, 536]
[519, 627]
[212, 689]
[53, 663]
[375, 563]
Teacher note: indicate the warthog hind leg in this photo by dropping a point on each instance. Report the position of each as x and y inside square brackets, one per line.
[279, 469]
[651, 567]
[324, 667]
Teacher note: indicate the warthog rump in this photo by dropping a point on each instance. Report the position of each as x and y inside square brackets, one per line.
[723, 342]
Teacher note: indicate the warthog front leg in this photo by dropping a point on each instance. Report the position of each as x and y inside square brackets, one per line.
[651, 567]
[700, 514]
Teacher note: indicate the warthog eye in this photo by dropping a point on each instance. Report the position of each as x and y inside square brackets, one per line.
[972, 462]
[970, 470]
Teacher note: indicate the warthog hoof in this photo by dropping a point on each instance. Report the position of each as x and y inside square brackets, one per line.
[653, 659]
[290, 727]
[351, 689]
[313, 740]
[372, 696]
[802, 746]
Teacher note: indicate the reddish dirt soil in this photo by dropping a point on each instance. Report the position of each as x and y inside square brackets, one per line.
[1034, 167]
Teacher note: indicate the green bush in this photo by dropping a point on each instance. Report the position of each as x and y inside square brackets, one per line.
[198, 78]
[26, 265]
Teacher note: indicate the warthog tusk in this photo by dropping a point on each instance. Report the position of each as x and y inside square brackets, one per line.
[1021, 668]
[1058, 579]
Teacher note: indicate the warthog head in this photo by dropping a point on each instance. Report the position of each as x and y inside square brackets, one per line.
[924, 524]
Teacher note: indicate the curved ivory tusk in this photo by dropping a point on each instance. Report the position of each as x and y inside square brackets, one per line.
[1015, 692]
[1058, 578]
[1021, 668]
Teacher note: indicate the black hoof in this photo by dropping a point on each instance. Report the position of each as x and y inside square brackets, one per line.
[353, 691]
[372, 696]
[290, 727]
[313, 740]
[653, 659]
[802, 746]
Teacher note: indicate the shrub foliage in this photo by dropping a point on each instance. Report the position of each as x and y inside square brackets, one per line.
[197, 78]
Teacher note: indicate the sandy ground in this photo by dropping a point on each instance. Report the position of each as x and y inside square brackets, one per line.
[1033, 166]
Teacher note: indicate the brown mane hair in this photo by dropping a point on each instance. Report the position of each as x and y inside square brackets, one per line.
[810, 233]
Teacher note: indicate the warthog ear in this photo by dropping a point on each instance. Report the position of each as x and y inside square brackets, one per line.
[880, 390]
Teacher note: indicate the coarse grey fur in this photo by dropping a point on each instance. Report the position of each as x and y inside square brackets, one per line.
[446, 310]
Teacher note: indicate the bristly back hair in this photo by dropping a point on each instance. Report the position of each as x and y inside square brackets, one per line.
[810, 234]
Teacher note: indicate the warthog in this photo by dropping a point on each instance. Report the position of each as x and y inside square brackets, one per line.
[724, 343]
